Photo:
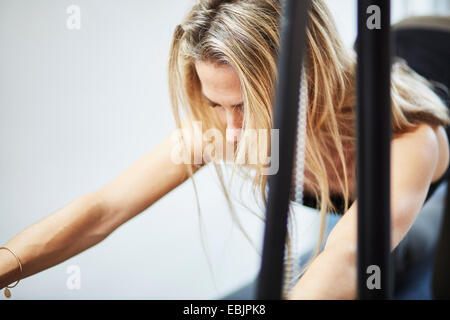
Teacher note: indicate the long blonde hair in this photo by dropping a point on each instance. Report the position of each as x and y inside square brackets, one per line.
[245, 35]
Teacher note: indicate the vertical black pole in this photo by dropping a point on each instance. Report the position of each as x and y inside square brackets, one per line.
[293, 35]
[373, 149]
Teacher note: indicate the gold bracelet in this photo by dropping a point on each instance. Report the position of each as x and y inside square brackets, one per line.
[7, 292]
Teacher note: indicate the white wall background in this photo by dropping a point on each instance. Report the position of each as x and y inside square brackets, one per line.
[77, 108]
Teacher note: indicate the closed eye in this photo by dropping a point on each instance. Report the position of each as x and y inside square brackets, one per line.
[213, 104]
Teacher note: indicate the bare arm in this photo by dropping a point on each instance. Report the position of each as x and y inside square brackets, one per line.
[92, 217]
[415, 159]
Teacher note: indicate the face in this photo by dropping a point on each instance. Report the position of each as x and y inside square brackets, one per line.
[222, 89]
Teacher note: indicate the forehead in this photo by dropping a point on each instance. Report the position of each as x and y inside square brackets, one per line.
[219, 81]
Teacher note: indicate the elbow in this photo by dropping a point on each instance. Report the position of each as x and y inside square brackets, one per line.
[344, 252]
[331, 276]
[347, 282]
[98, 215]
[342, 257]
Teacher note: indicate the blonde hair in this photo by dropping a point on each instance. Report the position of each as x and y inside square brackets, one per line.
[245, 35]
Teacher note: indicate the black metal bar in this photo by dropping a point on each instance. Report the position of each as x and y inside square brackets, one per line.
[293, 39]
[373, 149]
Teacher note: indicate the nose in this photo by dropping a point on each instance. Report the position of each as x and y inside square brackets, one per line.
[234, 124]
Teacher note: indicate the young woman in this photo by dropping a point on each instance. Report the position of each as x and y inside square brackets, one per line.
[222, 74]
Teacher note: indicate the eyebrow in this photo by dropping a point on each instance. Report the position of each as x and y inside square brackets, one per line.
[240, 104]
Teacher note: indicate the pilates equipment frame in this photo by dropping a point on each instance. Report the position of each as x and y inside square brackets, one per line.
[373, 149]
[293, 39]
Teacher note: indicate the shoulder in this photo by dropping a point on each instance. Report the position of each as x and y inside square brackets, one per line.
[425, 147]
[422, 139]
[422, 133]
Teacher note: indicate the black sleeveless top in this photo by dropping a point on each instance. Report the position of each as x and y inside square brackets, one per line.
[339, 202]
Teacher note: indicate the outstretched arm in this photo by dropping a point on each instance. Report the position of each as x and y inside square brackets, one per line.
[92, 217]
[414, 161]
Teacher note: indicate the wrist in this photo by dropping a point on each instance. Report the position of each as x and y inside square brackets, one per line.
[9, 268]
